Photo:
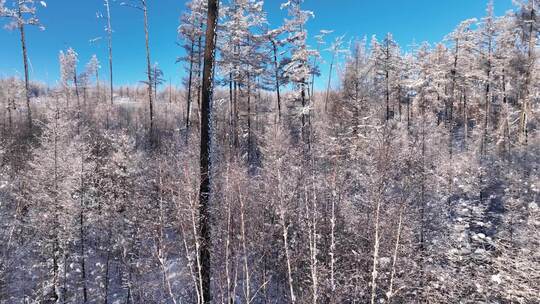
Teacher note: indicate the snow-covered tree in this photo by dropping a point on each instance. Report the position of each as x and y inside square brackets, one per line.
[486, 43]
[378, 203]
[528, 22]
[92, 70]
[386, 60]
[68, 72]
[298, 68]
[20, 14]
[191, 34]
[355, 79]
[462, 46]
[244, 61]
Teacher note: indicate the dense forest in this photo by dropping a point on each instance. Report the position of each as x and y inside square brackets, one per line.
[415, 181]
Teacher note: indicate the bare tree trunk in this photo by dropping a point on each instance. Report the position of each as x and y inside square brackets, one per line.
[109, 32]
[390, 292]
[190, 261]
[487, 99]
[56, 250]
[10, 107]
[305, 134]
[148, 68]
[329, 82]
[98, 97]
[230, 296]
[398, 100]
[287, 255]
[313, 245]
[107, 265]
[374, 270]
[285, 234]
[465, 119]
[454, 79]
[249, 119]
[198, 255]
[25, 62]
[387, 80]
[170, 90]
[205, 157]
[199, 76]
[76, 84]
[486, 119]
[64, 279]
[190, 82]
[311, 90]
[523, 124]
[85, 96]
[333, 241]
[247, 290]
[408, 112]
[155, 82]
[81, 230]
[451, 110]
[231, 110]
[423, 203]
[160, 246]
[311, 194]
[276, 71]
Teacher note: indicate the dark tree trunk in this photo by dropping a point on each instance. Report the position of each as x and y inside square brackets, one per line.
[408, 112]
[205, 157]
[454, 79]
[75, 83]
[523, 128]
[486, 119]
[10, 107]
[276, 67]
[170, 90]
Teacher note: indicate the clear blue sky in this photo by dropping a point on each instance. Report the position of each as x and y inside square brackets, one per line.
[72, 23]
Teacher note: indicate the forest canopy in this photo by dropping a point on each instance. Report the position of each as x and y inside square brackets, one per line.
[415, 180]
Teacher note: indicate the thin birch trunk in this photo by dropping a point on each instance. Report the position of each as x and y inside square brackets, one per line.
[285, 234]
[374, 271]
[391, 292]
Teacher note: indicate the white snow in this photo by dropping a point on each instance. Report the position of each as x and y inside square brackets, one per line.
[496, 278]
